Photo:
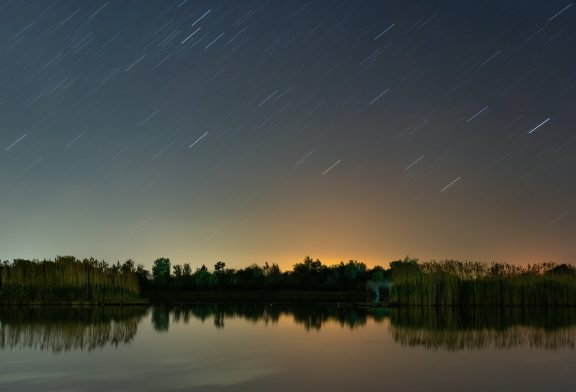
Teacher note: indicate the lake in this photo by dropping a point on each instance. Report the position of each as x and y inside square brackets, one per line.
[263, 347]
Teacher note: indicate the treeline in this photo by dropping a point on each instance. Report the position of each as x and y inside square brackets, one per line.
[405, 282]
[455, 283]
[310, 274]
[67, 279]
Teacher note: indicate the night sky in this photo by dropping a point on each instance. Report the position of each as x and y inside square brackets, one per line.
[251, 131]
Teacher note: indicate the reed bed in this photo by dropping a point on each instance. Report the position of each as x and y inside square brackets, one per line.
[454, 283]
[67, 279]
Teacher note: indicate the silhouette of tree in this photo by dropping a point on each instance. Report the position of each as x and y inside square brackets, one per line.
[161, 271]
[219, 266]
[203, 278]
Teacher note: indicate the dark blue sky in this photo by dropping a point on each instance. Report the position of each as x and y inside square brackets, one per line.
[250, 131]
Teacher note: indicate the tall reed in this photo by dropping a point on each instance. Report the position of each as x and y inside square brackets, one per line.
[454, 283]
[67, 279]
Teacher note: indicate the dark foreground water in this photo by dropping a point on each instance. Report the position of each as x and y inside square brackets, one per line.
[286, 348]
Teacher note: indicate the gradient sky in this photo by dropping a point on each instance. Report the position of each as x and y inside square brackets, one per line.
[251, 131]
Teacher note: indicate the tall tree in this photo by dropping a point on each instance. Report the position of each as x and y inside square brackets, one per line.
[161, 271]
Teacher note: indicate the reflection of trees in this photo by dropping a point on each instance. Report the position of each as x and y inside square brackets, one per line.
[309, 316]
[445, 328]
[461, 328]
[64, 328]
[480, 328]
[221, 312]
[160, 318]
[315, 317]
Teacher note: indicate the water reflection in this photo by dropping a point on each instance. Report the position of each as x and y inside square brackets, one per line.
[89, 328]
[68, 328]
[310, 317]
[456, 329]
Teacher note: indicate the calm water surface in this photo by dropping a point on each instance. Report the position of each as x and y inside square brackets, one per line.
[285, 348]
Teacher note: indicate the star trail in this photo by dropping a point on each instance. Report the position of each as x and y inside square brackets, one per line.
[253, 131]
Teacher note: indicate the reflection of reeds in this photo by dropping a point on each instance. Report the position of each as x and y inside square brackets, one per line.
[482, 328]
[63, 329]
[455, 340]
